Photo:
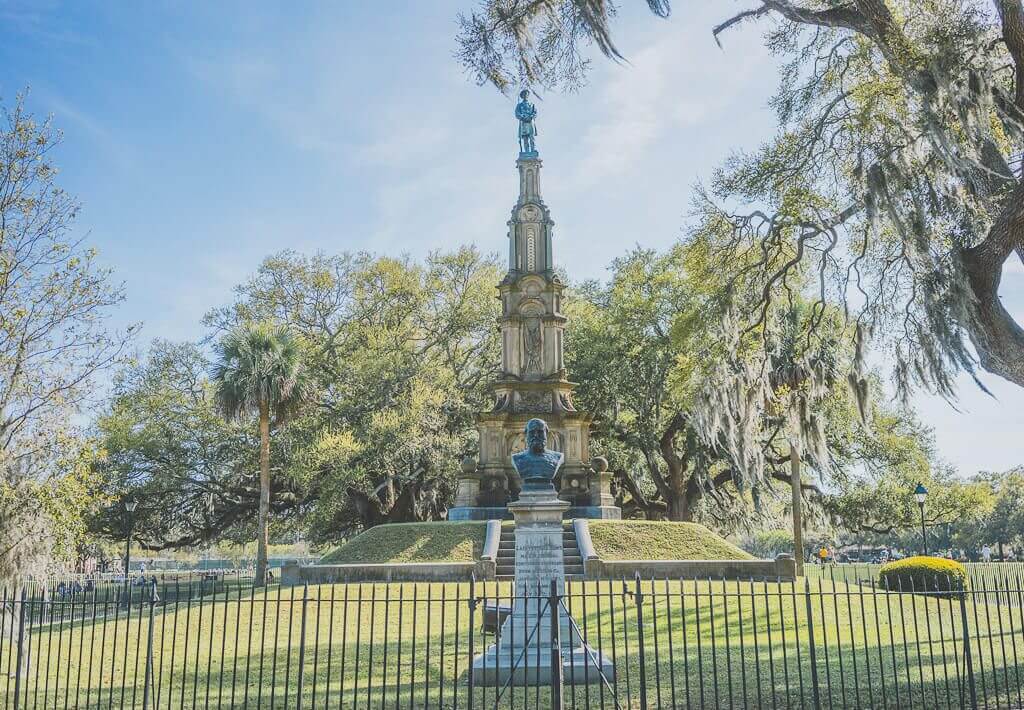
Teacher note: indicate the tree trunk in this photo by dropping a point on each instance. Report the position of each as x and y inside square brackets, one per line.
[798, 513]
[262, 527]
[685, 496]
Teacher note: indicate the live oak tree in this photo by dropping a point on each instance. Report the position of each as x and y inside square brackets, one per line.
[166, 442]
[894, 179]
[398, 356]
[644, 346]
[402, 353]
[259, 370]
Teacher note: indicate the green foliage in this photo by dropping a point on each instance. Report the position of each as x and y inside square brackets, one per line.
[259, 367]
[649, 540]
[191, 472]
[923, 574]
[400, 354]
[879, 499]
[43, 519]
[413, 542]
[55, 346]
[686, 414]
[1004, 522]
[769, 543]
[397, 355]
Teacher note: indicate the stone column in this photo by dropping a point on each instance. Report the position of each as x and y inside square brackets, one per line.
[601, 490]
[469, 484]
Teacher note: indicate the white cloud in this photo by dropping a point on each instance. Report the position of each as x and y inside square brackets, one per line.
[678, 81]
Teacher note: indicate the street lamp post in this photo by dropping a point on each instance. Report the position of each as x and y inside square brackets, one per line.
[129, 506]
[920, 493]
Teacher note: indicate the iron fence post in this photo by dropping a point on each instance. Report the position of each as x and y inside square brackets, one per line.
[968, 663]
[148, 678]
[556, 649]
[302, 646]
[815, 691]
[472, 625]
[638, 597]
[21, 650]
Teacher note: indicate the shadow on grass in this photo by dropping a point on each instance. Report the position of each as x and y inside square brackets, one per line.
[704, 645]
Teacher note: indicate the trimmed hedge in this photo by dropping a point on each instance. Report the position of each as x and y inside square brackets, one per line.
[923, 574]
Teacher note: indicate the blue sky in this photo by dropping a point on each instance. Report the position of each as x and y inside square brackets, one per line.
[201, 137]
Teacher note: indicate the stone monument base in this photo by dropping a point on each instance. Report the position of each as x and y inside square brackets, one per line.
[523, 652]
[472, 512]
[593, 512]
[498, 666]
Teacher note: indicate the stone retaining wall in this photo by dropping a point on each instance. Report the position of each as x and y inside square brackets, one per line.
[399, 572]
[782, 568]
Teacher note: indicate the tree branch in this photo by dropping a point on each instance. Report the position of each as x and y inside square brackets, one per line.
[1011, 14]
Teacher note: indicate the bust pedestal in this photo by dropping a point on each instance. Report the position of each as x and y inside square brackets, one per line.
[524, 649]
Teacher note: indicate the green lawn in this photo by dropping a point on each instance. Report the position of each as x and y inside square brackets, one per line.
[651, 540]
[413, 542]
[730, 640]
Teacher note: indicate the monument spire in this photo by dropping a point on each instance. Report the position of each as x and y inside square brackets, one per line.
[532, 380]
[529, 230]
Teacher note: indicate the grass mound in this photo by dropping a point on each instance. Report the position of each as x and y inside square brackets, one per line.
[923, 574]
[413, 542]
[653, 540]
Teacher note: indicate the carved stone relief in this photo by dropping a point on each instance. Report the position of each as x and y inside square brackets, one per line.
[534, 346]
[534, 402]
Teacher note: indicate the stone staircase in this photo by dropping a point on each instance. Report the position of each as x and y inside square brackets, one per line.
[571, 553]
[506, 559]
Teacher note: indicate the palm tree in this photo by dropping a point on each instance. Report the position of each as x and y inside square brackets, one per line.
[259, 370]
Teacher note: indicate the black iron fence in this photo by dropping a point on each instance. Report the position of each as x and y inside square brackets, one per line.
[820, 642]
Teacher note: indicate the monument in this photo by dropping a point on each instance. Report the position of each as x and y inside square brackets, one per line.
[533, 380]
[524, 651]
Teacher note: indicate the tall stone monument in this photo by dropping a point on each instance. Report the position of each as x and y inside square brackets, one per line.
[533, 380]
[524, 652]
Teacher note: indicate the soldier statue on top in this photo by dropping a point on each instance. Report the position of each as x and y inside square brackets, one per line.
[526, 112]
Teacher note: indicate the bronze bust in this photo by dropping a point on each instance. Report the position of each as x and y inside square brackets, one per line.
[538, 464]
